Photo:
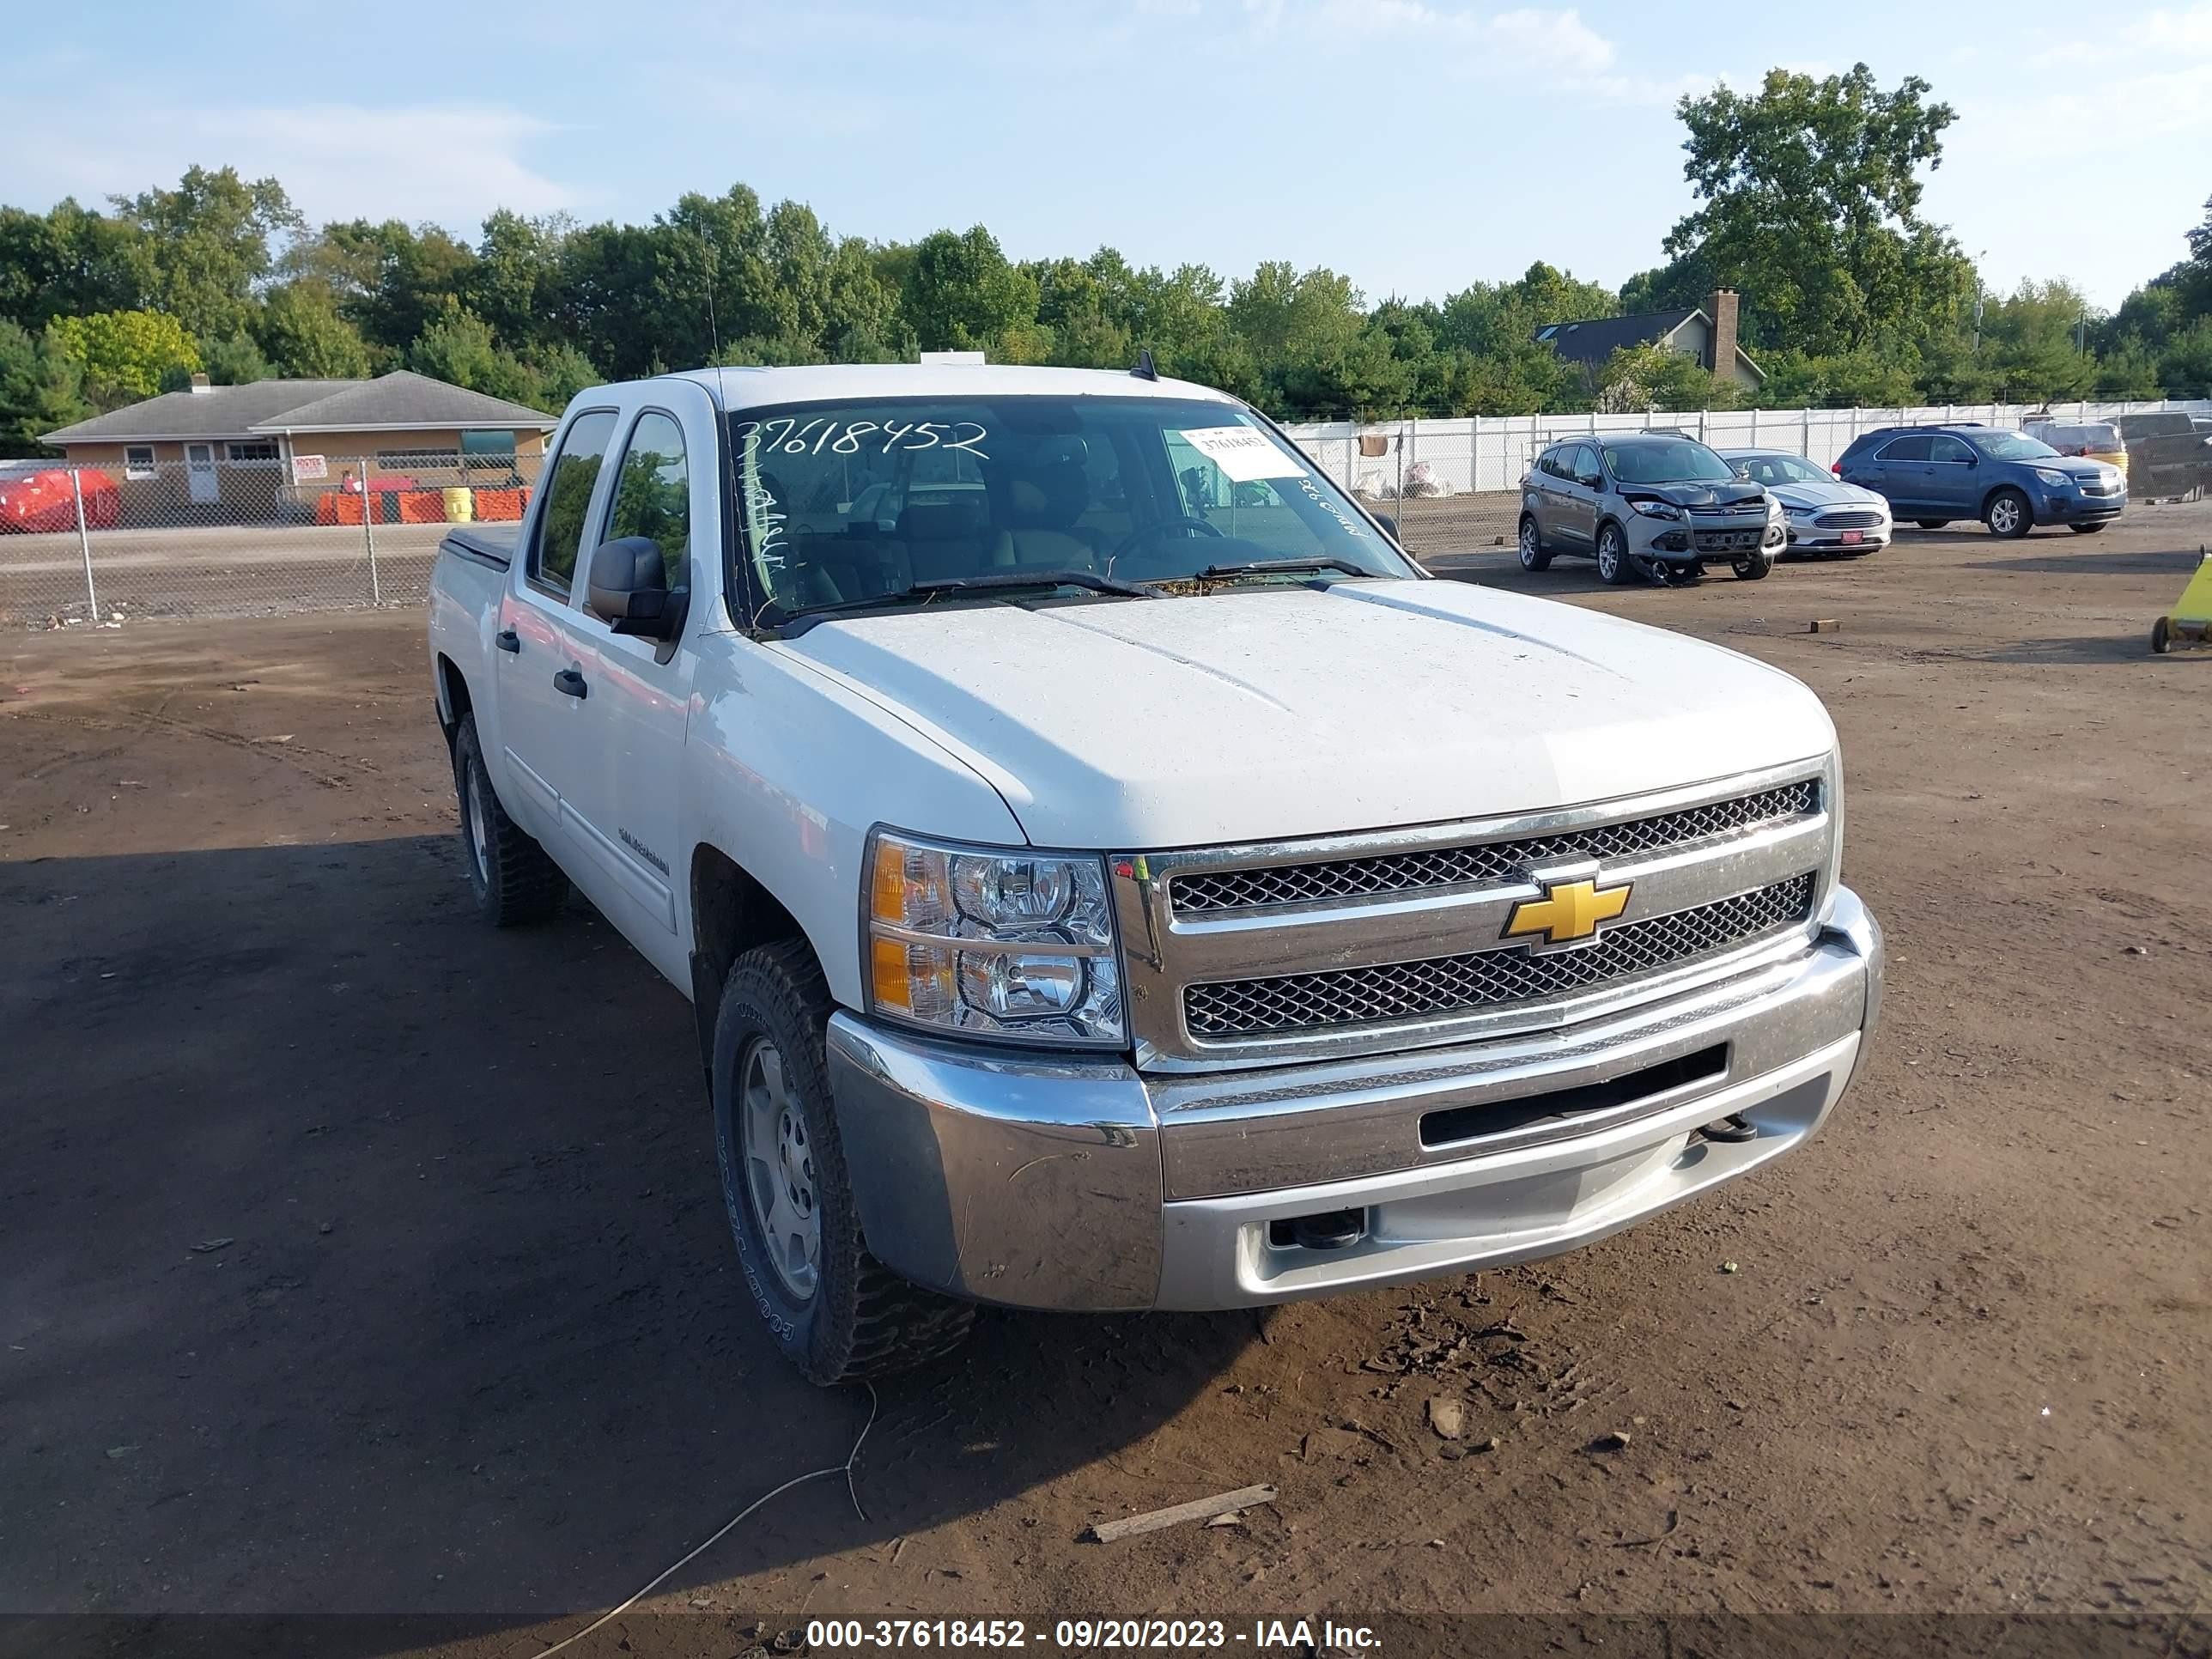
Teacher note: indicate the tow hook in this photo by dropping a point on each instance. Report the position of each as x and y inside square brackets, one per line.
[1331, 1229]
[1733, 1127]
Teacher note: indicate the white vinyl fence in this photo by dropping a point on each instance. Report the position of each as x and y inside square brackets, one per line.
[1460, 457]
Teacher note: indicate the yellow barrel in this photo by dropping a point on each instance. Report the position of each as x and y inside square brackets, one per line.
[460, 505]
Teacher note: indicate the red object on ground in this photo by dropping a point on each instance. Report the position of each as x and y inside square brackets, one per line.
[499, 506]
[422, 507]
[43, 501]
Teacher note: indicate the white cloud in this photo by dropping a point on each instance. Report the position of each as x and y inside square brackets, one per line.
[449, 164]
[1549, 46]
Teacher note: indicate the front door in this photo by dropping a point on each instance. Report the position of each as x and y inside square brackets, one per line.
[623, 810]
[542, 659]
[1901, 472]
[199, 475]
[1579, 494]
[1951, 476]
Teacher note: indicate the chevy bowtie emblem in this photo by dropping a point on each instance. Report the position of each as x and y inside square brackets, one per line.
[1568, 910]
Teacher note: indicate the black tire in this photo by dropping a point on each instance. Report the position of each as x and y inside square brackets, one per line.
[511, 878]
[1931, 523]
[2085, 529]
[2008, 515]
[1614, 567]
[1535, 556]
[2161, 636]
[1754, 569]
[858, 1319]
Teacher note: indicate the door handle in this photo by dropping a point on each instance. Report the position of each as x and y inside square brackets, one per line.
[571, 683]
[507, 639]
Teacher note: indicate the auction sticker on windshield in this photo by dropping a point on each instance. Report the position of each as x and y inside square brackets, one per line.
[1243, 453]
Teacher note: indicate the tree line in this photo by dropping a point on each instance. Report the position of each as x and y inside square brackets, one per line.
[1806, 201]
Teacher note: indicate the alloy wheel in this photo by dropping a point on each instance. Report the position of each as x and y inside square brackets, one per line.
[779, 1170]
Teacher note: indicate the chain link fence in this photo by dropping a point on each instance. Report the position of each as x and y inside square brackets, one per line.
[223, 537]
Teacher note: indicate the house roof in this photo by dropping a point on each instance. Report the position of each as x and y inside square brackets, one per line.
[400, 400]
[1591, 342]
[1596, 339]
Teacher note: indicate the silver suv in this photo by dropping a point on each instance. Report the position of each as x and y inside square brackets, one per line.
[1650, 504]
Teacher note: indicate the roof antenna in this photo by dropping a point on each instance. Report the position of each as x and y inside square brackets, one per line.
[1144, 370]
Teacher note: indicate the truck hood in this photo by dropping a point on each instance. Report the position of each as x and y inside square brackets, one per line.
[1733, 493]
[1261, 713]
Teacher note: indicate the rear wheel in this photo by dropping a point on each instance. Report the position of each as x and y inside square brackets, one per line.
[836, 1312]
[1613, 567]
[1535, 556]
[513, 880]
[2085, 529]
[2161, 636]
[1931, 523]
[2008, 514]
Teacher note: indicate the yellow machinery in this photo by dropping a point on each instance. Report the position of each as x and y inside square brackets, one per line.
[2190, 622]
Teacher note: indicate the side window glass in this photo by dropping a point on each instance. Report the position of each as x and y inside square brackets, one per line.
[653, 494]
[568, 484]
[1905, 449]
[1588, 469]
[1548, 464]
[1951, 450]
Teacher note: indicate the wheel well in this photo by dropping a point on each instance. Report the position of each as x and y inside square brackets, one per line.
[731, 913]
[455, 707]
[1995, 490]
[1606, 521]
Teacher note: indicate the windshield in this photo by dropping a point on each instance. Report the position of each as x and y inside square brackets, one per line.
[2012, 446]
[851, 501]
[1781, 470]
[1679, 460]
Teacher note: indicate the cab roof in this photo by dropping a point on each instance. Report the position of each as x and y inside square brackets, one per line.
[754, 388]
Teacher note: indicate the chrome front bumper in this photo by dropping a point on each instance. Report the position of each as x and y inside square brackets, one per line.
[1056, 1181]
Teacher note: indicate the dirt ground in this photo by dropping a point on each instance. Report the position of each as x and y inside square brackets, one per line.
[361, 1259]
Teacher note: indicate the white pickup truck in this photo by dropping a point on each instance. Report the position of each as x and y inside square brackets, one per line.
[1108, 873]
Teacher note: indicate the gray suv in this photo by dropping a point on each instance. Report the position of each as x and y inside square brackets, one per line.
[1650, 504]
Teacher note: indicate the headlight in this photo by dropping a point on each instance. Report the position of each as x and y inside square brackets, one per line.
[2053, 477]
[1000, 943]
[1657, 509]
[1799, 512]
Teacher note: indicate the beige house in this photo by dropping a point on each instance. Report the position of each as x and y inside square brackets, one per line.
[243, 453]
[1706, 332]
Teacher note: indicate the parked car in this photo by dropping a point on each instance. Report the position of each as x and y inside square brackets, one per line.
[2095, 440]
[2011, 482]
[1071, 916]
[1823, 515]
[2169, 451]
[1654, 504]
[39, 497]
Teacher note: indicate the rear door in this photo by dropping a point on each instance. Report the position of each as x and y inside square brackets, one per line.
[1899, 470]
[629, 791]
[541, 661]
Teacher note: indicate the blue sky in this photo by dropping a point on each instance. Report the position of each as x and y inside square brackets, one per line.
[1415, 145]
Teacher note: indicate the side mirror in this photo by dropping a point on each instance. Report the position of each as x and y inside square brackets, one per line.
[1388, 524]
[1743, 469]
[628, 586]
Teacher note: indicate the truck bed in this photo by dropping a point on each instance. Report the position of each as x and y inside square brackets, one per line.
[491, 544]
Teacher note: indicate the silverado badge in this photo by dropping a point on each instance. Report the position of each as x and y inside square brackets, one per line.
[1570, 910]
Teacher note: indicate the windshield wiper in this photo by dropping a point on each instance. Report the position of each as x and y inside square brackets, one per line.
[922, 592]
[1282, 567]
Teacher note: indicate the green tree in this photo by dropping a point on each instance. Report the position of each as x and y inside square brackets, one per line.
[123, 354]
[456, 347]
[962, 295]
[389, 280]
[42, 390]
[1639, 378]
[2031, 342]
[208, 242]
[236, 361]
[1810, 193]
[304, 336]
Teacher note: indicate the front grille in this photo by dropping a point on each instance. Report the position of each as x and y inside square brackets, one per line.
[1480, 979]
[1851, 518]
[1487, 862]
[1728, 510]
[2101, 487]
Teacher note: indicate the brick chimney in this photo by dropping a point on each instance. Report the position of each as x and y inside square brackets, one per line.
[200, 383]
[1721, 307]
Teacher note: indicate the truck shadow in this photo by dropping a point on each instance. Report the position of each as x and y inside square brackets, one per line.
[361, 1258]
[2175, 563]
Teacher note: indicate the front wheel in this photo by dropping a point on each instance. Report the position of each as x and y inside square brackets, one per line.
[2161, 636]
[1754, 569]
[1613, 567]
[1535, 556]
[510, 877]
[2085, 529]
[838, 1313]
[2008, 514]
[1931, 523]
